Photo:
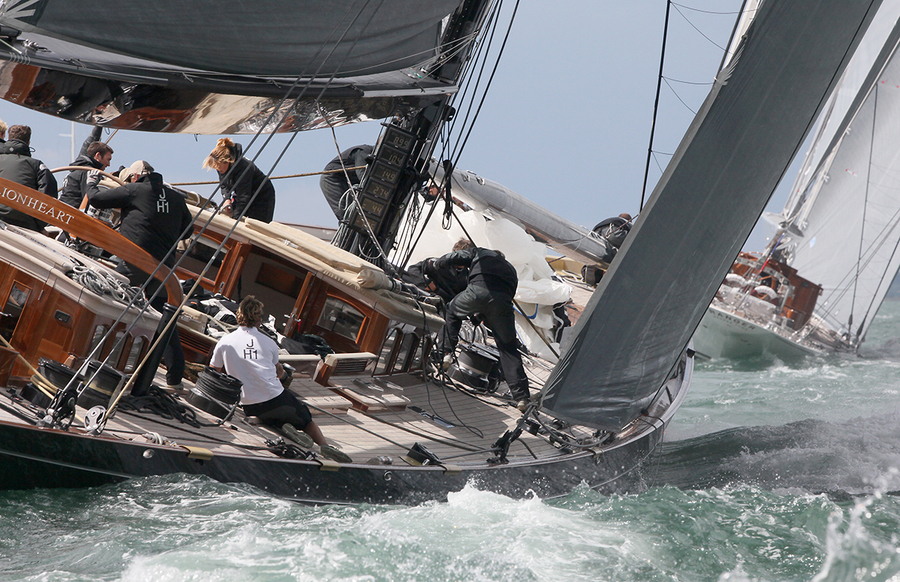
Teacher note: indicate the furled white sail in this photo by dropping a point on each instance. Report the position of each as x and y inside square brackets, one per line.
[845, 215]
[712, 193]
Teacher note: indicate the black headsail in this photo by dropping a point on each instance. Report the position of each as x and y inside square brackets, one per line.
[735, 152]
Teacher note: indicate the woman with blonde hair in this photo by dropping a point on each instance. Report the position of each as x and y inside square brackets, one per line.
[240, 180]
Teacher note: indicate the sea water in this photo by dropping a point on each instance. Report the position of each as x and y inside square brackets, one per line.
[771, 471]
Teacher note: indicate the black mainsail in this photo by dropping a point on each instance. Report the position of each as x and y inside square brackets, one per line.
[739, 146]
[224, 67]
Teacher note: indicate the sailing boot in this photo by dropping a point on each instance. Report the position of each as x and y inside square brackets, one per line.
[522, 397]
[438, 362]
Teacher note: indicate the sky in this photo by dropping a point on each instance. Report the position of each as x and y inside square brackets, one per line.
[566, 123]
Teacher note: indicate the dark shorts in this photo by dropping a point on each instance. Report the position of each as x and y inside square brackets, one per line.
[283, 408]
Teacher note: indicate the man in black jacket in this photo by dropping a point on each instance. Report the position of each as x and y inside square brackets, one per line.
[154, 217]
[335, 184]
[17, 165]
[94, 154]
[446, 283]
[491, 286]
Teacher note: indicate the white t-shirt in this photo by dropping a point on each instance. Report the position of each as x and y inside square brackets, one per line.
[250, 356]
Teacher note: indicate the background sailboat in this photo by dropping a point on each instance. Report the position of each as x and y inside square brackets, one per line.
[838, 235]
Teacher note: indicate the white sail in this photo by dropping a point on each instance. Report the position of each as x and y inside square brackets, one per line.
[845, 211]
[830, 124]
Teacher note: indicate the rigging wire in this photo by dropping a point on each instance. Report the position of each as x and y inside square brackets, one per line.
[862, 230]
[661, 78]
[459, 148]
[662, 60]
[700, 32]
[446, 134]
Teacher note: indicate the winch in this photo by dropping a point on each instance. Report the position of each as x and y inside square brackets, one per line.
[478, 366]
[103, 381]
[216, 393]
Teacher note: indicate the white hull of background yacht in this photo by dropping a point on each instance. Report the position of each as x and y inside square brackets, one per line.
[839, 226]
[723, 334]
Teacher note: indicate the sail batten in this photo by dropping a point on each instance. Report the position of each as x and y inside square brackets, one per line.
[734, 154]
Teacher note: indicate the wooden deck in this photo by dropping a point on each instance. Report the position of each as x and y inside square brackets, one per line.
[375, 422]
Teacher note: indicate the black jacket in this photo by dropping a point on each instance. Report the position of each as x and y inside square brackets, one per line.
[351, 158]
[240, 183]
[75, 185]
[487, 268]
[154, 217]
[17, 165]
[335, 184]
[448, 281]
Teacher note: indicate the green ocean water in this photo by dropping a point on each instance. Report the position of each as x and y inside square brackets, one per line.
[770, 472]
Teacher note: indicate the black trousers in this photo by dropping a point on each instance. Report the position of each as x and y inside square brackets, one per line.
[173, 354]
[497, 312]
[284, 408]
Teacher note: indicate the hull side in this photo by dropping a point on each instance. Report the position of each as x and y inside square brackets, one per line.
[726, 335]
[44, 458]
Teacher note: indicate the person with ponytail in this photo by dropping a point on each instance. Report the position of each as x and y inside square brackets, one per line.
[240, 180]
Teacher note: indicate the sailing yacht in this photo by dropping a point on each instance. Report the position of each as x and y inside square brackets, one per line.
[818, 285]
[604, 402]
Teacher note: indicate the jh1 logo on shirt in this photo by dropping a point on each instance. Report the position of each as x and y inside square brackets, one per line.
[250, 351]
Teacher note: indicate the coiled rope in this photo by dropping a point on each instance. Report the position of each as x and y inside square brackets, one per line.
[103, 283]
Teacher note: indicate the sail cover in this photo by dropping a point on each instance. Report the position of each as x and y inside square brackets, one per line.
[279, 38]
[849, 229]
[555, 231]
[739, 146]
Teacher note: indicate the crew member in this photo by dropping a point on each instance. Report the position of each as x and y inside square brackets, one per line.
[154, 217]
[247, 190]
[94, 154]
[17, 165]
[335, 184]
[613, 232]
[489, 292]
[446, 282]
[252, 357]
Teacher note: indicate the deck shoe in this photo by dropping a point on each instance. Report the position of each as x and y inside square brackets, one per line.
[301, 438]
[522, 398]
[178, 389]
[335, 454]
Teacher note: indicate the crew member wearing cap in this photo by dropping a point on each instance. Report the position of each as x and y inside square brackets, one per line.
[154, 217]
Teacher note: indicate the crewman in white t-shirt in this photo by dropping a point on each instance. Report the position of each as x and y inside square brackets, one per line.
[252, 357]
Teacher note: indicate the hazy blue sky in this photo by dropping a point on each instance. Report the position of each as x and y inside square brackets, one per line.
[566, 124]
